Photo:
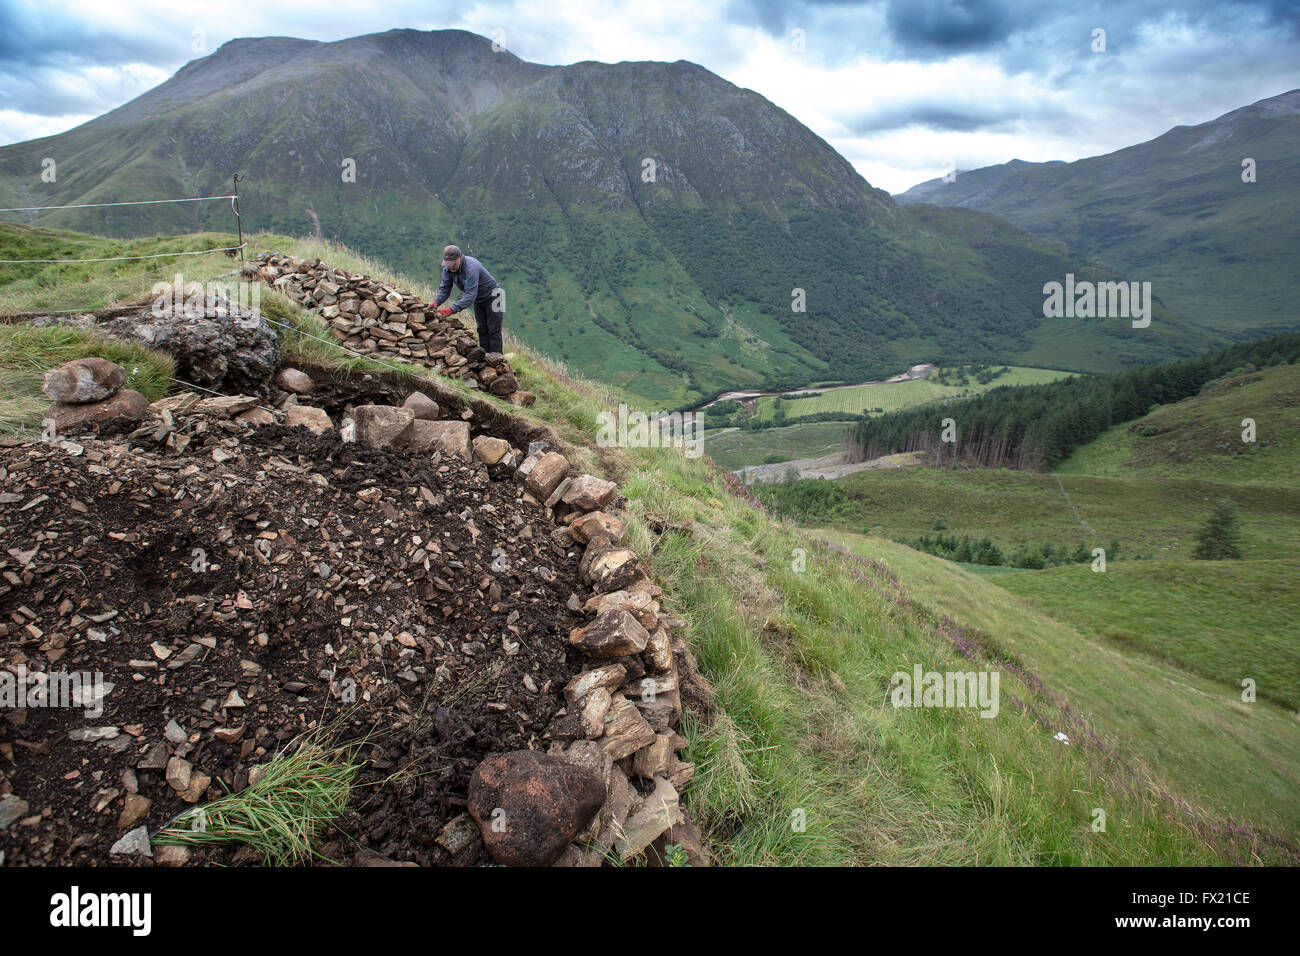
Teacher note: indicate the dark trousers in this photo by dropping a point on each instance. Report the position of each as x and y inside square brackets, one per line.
[489, 321]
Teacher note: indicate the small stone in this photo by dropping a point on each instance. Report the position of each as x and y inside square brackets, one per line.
[588, 493]
[610, 677]
[367, 857]
[490, 450]
[256, 416]
[179, 772]
[424, 408]
[11, 808]
[292, 380]
[449, 438]
[614, 634]
[134, 808]
[626, 731]
[655, 813]
[459, 833]
[83, 380]
[314, 419]
[172, 855]
[545, 476]
[598, 524]
[382, 425]
[126, 403]
[135, 843]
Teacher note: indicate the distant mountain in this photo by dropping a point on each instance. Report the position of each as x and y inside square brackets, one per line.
[653, 224]
[1174, 211]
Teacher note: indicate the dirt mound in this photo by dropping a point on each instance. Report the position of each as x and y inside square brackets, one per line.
[247, 586]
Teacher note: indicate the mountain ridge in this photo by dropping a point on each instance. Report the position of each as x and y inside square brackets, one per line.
[654, 224]
[1175, 207]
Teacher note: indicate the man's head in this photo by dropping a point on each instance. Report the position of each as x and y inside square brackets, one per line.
[451, 257]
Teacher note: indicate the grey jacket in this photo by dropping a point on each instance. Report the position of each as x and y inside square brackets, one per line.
[472, 279]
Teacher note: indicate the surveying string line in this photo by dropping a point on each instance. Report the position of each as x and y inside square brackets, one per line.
[212, 392]
[134, 202]
[159, 255]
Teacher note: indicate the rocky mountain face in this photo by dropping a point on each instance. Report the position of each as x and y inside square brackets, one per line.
[653, 225]
[1207, 213]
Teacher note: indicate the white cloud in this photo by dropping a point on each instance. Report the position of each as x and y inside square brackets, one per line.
[1040, 96]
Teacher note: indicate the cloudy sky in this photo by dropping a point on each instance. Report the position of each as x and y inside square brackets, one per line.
[903, 88]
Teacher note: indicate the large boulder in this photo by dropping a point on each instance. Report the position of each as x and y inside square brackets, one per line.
[126, 403]
[83, 380]
[234, 351]
[529, 805]
[449, 438]
[545, 475]
[382, 425]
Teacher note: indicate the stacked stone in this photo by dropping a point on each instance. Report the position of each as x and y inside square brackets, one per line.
[90, 390]
[369, 317]
[618, 728]
[609, 784]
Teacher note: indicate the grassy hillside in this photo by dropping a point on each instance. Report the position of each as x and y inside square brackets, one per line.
[1234, 759]
[1203, 436]
[1225, 620]
[893, 396]
[734, 448]
[806, 762]
[1149, 516]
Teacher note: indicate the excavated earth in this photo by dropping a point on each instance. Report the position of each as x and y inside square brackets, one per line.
[256, 583]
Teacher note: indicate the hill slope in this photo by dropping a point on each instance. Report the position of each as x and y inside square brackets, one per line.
[1202, 436]
[805, 762]
[1173, 211]
[650, 221]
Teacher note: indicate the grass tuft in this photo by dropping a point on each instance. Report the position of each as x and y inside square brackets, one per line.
[303, 791]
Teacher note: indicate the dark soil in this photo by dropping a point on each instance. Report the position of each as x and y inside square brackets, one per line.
[308, 595]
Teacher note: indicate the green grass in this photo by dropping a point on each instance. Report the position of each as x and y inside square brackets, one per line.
[894, 396]
[66, 286]
[1195, 736]
[1202, 436]
[1149, 516]
[1226, 620]
[737, 448]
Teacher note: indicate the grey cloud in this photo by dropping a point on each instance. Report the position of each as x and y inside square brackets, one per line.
[950, 116]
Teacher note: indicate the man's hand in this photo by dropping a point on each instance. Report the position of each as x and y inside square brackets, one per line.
[444, 311]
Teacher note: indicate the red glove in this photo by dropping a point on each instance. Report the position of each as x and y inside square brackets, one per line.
[444, 311]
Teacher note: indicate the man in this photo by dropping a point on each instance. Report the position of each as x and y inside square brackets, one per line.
[480, 290]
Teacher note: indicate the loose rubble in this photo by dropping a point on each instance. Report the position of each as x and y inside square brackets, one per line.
[239, 580]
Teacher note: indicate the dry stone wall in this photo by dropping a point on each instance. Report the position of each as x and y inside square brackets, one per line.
[372, 318]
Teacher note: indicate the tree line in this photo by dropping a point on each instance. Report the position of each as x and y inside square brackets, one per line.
[1035, 427]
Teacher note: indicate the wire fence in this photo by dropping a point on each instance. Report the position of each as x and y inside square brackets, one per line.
[234, 203]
